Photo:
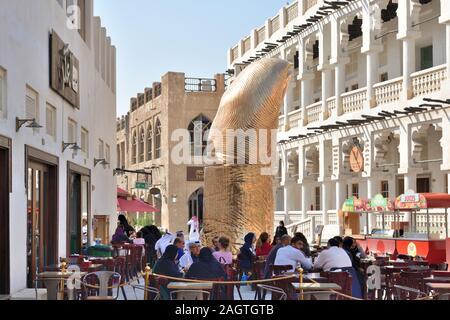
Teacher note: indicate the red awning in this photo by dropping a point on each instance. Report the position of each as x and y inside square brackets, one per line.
[122, 193]
[134, 206]
[437, 200]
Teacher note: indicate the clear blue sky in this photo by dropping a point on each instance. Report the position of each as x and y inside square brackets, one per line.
[192, 36]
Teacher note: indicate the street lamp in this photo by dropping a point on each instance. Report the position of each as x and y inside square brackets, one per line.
[102, 161]
[73, 146]
[32, 124]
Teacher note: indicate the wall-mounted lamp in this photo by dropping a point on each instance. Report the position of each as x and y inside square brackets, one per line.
[73, 146]
[174, 198]
[32, 124]
[102, 161]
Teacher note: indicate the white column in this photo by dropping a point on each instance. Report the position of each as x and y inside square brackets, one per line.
[372, 77]
[306, 94]
[339, 86]
[371, 192]
[409, 66]
[447, 45]
[284, 56]
[326, 93]
[410, 184]
[448, 183]
[306, 195]
[285, 203]
[325, 201]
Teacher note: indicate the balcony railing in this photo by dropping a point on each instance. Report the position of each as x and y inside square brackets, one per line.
[294, 118]
[388, 91]
[309, 4]
[200, 85]
[292, 12]
[306, 227]
[429, 80]
[275, 24]
[246, 45]
[354, 101]
[261, 33]
[281, 122]
[331, 106]
[313, 112]
[234, 53]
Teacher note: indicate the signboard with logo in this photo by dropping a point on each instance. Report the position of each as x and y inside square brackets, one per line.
[64, 71]
[195, 174]
[141, 185]
[411, 200]
[356, 160]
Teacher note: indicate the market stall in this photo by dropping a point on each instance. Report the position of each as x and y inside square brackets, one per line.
[419, 227]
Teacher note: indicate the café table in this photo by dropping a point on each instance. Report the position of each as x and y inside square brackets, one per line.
[312, 289]
[190, 286]
[53, 279]
[441, 289]
[437, 279]
[315, 277]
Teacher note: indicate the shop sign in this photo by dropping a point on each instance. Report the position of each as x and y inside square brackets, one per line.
[195, 174]
[411, 200]
[356, 160]
[64, 71]
[141, 185]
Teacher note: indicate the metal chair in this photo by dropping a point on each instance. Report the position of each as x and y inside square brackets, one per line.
[101, 285]
[152, 293]
[181, 295]
[276, 293]
[407, 293]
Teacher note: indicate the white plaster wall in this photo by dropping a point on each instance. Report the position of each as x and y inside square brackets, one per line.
[24, 54]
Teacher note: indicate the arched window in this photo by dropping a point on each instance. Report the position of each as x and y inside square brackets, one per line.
[198, 129]
[157, 139]
[150, 142]
[142, 145]
[134, 147]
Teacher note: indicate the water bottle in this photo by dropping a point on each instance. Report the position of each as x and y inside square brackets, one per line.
[244, 279]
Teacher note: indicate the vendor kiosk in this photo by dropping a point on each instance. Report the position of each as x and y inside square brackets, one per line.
[422, 232]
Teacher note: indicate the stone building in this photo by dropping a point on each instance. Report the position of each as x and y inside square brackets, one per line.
[144, 144]
[362, 71]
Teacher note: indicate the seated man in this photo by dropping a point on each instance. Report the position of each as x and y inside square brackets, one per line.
[333, 258]
[293, 255]
[337, 259]
[190, 257]
[285, 241]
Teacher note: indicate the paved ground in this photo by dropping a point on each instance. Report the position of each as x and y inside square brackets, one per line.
[246, 293]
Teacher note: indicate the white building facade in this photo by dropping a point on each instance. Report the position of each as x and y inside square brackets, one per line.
[362, 71]
[57, 183]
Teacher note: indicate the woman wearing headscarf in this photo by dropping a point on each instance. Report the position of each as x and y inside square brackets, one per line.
[151, 235]
[207, 267]
[126, 226]
[167, 266]
[247, 253]
[119, 236]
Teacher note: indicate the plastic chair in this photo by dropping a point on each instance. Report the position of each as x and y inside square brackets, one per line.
[204, 295]
[101, 285]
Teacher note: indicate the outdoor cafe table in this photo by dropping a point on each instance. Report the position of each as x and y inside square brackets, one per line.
[437, 279]
[440, 288]
[52, 281]
[190, 286]
[309, 289]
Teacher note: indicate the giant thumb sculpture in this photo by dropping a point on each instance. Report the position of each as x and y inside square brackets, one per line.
[239, 190]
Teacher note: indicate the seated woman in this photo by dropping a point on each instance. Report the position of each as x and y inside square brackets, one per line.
[247, 253]
[224, 256]
[208, 268]
[167, 266]
[263, 245]
[119, 236]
